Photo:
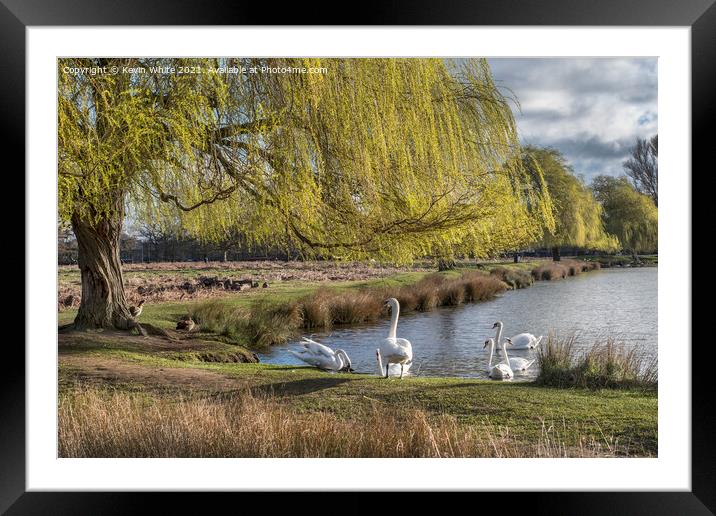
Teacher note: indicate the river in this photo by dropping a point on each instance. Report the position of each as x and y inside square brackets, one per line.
[448, 341]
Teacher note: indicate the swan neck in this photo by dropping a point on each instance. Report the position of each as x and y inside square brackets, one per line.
[504, 351]
[380, 363]
[394, 314]
[343, 357]
[498, 335]
[489, 362]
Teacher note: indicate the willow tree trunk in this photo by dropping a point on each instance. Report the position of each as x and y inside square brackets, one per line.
[555, 254]
[103, 303]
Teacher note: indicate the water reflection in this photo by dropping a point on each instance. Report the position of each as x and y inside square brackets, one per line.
[449, 341]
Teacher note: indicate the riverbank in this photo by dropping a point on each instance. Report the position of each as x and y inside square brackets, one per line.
[134, 396]
[260, 317]
[201, 394]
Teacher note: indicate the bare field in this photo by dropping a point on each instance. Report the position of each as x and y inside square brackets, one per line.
[180, 281]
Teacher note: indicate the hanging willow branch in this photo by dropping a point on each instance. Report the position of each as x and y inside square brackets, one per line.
[387, 158]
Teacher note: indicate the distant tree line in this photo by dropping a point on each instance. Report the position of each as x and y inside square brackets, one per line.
[152, 244]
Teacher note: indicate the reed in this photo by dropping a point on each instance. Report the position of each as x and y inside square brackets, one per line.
[515, 278]
[264, 323]
[606, 364]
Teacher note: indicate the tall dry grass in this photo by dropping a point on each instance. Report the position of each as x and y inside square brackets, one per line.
[562, 269]
[515, 278]
[606, 364]
[265, 324]
[94, 423]
[325, 308]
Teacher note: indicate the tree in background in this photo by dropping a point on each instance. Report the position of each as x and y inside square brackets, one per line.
[577, 214]
[643, 167]
[628, 214]
[383, 158]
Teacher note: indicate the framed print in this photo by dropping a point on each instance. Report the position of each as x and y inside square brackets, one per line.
[382, 257]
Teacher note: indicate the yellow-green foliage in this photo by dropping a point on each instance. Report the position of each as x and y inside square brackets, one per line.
[629, 215]
[388, 158]
[577, 214]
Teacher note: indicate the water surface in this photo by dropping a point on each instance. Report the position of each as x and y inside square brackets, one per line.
[449, 341]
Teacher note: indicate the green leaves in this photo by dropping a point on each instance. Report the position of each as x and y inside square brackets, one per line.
[385, 158]
[577, 214]
[629, 215]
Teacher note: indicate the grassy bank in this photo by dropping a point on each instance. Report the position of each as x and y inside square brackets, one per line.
[139, 396]
[195, 395]
[109, 423]
[260, 317]
[265, 323]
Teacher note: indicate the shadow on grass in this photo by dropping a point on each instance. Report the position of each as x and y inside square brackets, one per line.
[295, 387]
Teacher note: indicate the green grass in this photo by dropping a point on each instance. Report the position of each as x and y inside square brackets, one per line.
[625, 416]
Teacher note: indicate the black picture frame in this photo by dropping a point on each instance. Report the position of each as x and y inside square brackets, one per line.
[700, 15]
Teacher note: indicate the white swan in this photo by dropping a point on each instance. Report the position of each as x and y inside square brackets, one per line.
[320, 356]
[517, 363]
[393, 369]
[500, 371]
[394, 350]
[520, 341]
[525, 341]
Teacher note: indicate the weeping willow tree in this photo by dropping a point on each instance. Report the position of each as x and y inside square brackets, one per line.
[628, 214]
[384, 158]
[577, 214]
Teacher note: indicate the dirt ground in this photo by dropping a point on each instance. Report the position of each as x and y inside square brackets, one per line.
[178, 281]
[88, 357]
[103, 371]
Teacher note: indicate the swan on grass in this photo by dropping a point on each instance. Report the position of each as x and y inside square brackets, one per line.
[516, 363]
[520, 341]
[321, 356]
[392, 349]
[500, 371]
[393, 369]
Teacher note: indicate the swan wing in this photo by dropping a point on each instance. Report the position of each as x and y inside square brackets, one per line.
[316, 359]
[520, 364]
[522, 340]
[317, 348]
[396, 350]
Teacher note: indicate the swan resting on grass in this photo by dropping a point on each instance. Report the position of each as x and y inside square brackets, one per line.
[392, 349]
[321, 356]
[501, 371]
[519, 341]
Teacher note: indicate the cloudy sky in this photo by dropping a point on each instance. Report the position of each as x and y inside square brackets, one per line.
[592, 110]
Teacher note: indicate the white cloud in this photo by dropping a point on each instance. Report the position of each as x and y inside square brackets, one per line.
[592, 109]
